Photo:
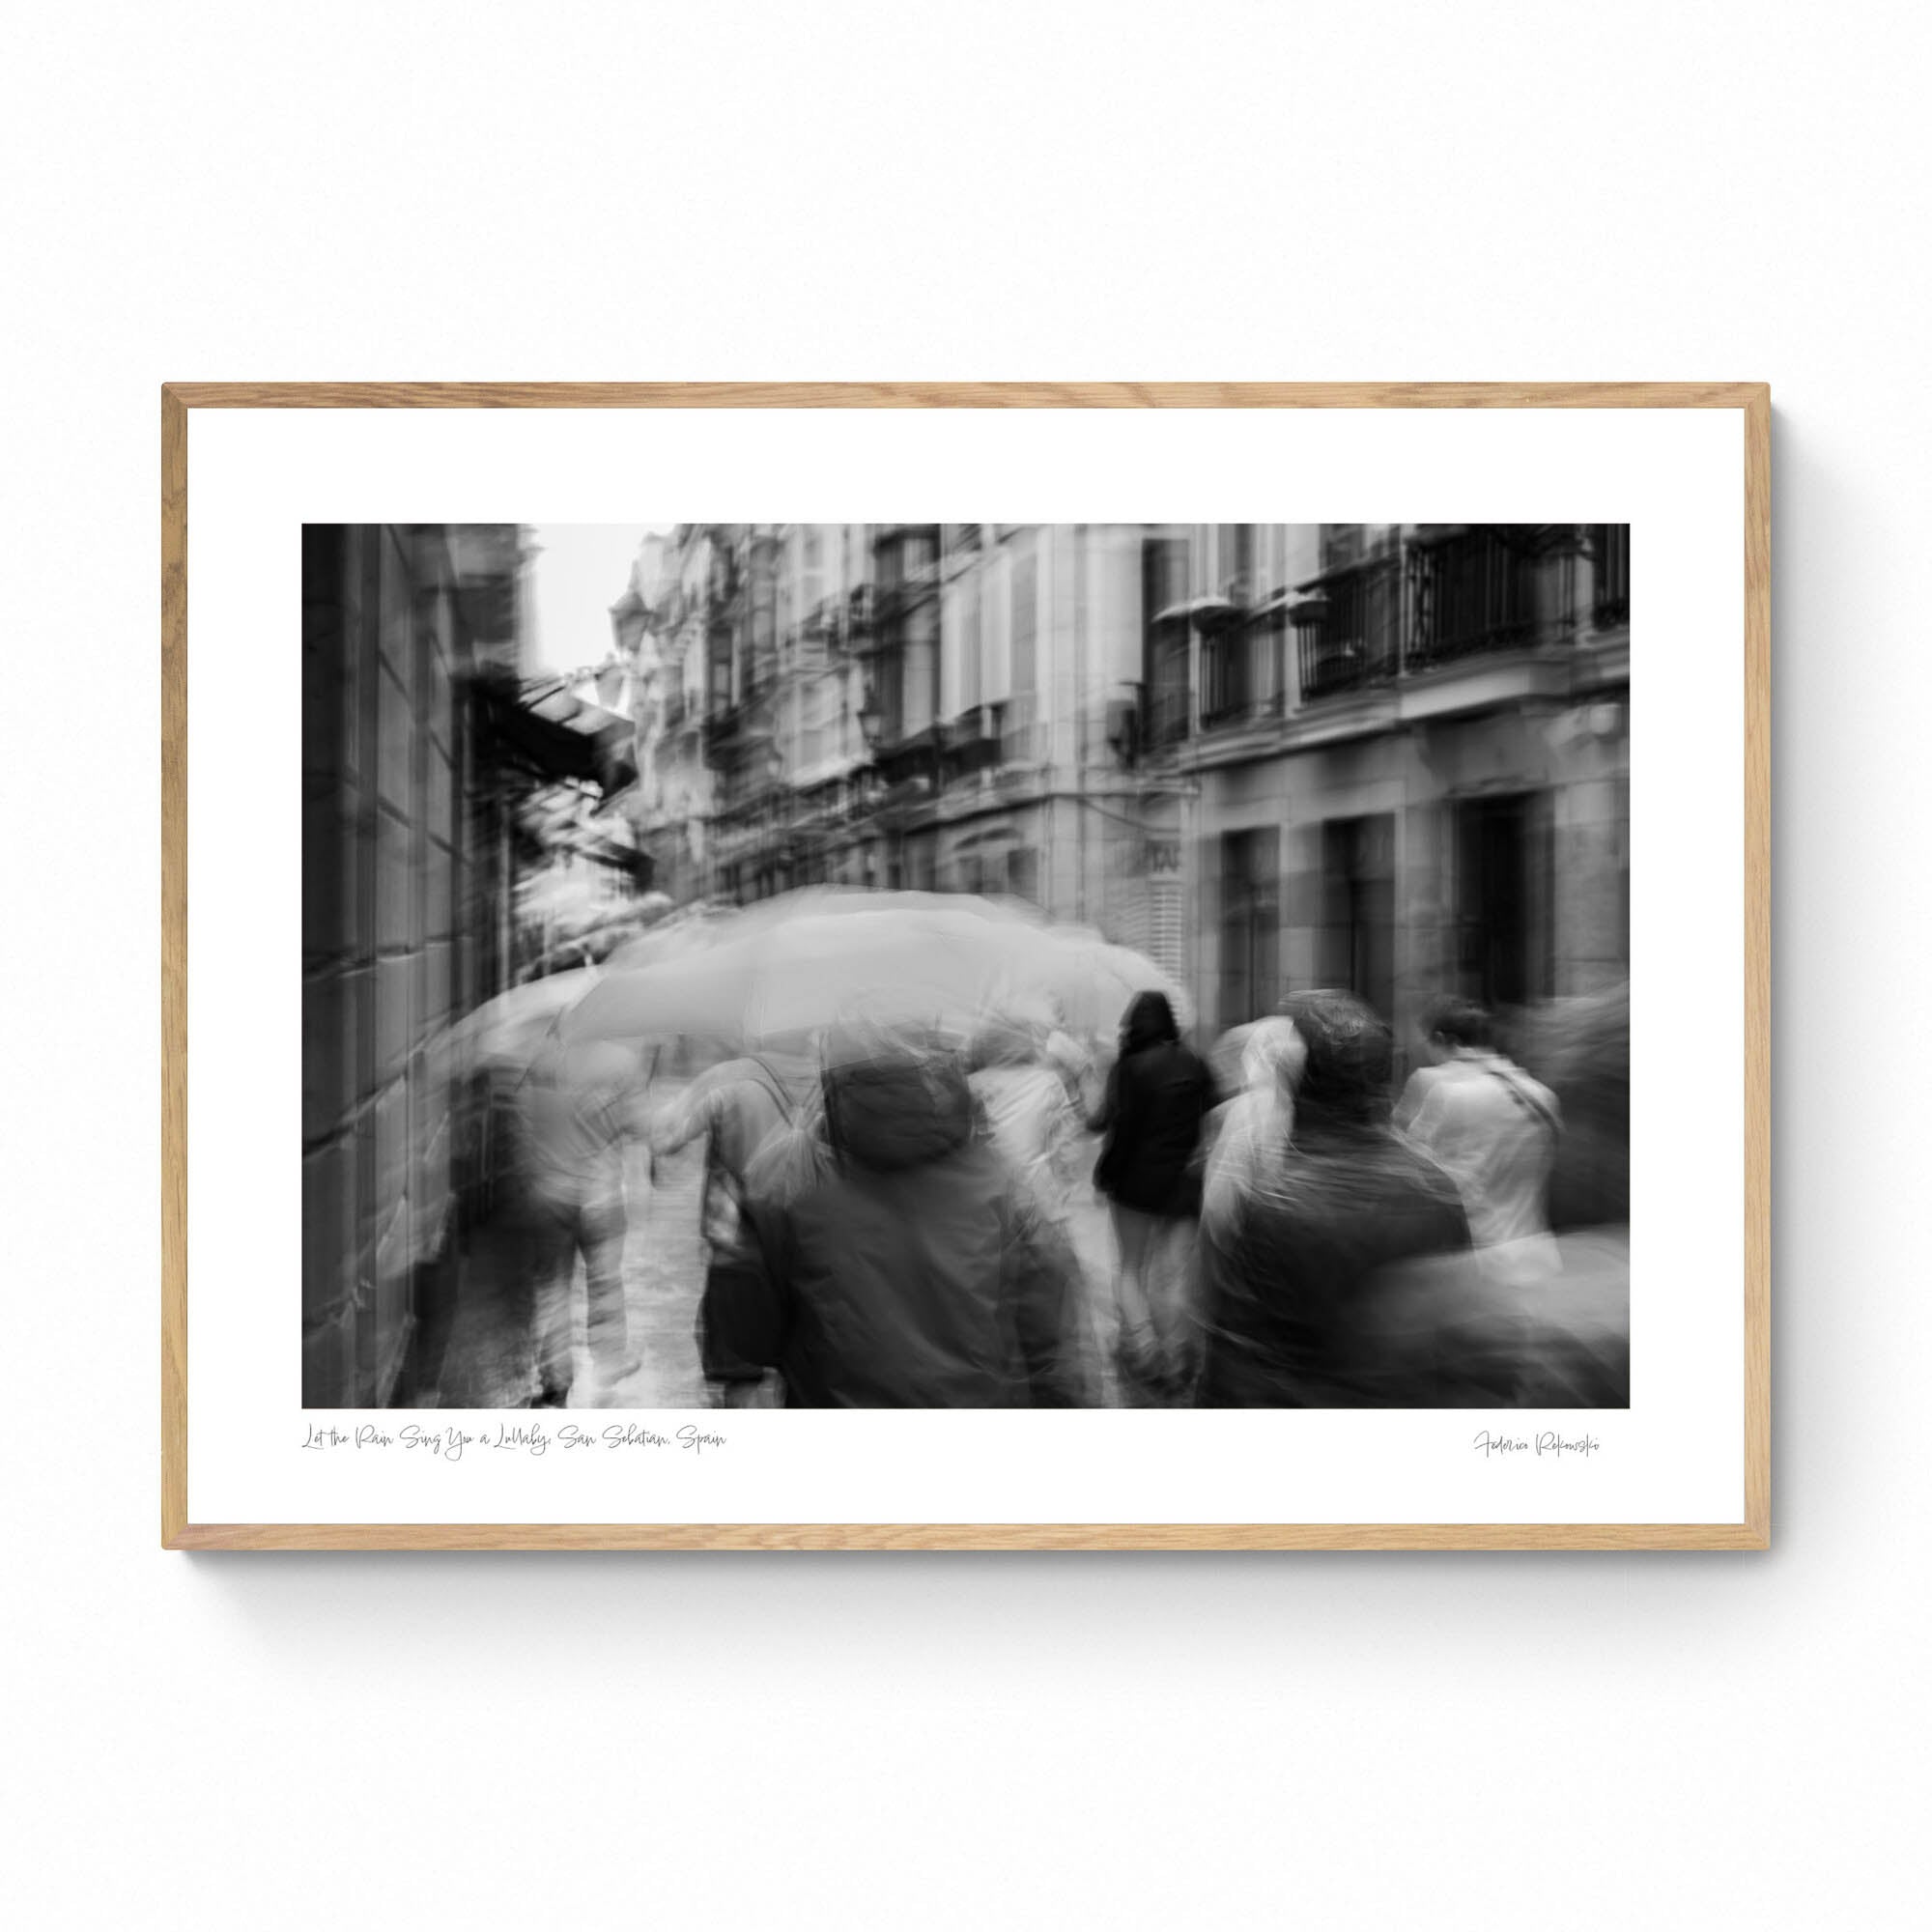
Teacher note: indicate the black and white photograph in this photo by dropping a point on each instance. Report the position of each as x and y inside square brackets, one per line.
[966, 966]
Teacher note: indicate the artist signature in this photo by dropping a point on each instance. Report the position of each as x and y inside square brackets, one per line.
[1550, 1442]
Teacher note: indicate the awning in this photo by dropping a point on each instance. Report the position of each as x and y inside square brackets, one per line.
[550, 735]
[1207, 612]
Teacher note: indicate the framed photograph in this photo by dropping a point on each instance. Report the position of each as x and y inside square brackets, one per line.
[1228, 1011]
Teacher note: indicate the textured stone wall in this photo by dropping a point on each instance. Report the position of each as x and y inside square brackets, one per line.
[385, 888]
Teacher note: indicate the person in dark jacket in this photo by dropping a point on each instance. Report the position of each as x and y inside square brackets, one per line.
[1157, 1101]
[889, 1257]
[1293, 1266]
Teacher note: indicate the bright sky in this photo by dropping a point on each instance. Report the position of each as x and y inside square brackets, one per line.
[580, 572]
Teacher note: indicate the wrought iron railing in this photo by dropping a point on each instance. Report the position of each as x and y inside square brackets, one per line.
[1610, 548]
[1348, 628]
[1468, 593]
[1169, 695]
[1241, 672]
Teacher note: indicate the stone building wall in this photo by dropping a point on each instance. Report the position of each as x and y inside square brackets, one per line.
[389, 898]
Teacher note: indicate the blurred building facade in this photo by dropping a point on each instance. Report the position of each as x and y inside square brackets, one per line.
[405, 896]
[1390, 756]
[438, 784]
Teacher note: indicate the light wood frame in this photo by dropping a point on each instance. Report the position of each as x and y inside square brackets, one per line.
[1752, 400]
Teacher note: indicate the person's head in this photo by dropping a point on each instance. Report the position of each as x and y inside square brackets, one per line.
[1349, 1055]
[1148, 1021]
[894, 1090]
[1453, 1025]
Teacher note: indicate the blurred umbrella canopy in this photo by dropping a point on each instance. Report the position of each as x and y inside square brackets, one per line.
[1094, 981]
[505, 1034]
[803, 962]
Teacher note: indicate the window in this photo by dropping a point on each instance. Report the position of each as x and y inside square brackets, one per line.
[1235, 563]
[1343, 544]
[1164, 582]
[1026, 615]
[1250, 925]
[1357, 934]
[1018, 737]
[889, 694]
[813, 568]
[969, 680]
[1610, 548]
[1503, 889]
[1242, 669]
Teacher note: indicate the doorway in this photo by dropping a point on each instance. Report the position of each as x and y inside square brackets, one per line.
[1503, 895]
[1250, 925]
[1357, 949]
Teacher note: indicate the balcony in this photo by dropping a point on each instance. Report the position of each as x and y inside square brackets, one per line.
[1169, 692]
[1470, 594]
[1241, 672]
[1348, 628]
[974, 740]
[724, 733]
[1611, 551]
[906, 558]
[817, 637]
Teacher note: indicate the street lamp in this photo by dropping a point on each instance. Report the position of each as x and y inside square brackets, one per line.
[871, 722]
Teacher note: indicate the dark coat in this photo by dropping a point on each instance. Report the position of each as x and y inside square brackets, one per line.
[890, 1258]
[1290, 1277]
[1158, 1098]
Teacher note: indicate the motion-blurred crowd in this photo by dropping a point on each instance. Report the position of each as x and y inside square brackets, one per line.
[896, 1215]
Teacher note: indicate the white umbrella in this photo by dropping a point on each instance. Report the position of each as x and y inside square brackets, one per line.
[1094, 981]
[506, 1032]
[948, 967]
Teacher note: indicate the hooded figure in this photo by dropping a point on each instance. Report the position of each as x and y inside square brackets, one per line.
[1255, 1127]
[1292, 1269]
[1027, 1109]
[1497, 1132]
[1158, 1098]
[889, 1257]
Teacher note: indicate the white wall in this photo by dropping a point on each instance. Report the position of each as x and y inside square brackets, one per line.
[1734, 191]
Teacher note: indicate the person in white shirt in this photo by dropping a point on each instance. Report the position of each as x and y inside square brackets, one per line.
[573, 1107]
[1495, 1130]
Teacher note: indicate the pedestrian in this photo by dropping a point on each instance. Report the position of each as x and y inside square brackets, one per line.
[891, 1258]
[734, 1108]
[1158, 1099]
[1495, 1132]
[1256, 1125]
[1291, 1264]
[573, 1122]
[1027, 1110]
[1035, 1125]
